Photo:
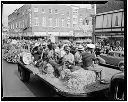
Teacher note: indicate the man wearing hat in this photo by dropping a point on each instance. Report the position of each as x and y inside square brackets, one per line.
[78, 55]
[88, 57]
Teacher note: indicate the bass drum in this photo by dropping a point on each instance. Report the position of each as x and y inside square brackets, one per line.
[26, 58]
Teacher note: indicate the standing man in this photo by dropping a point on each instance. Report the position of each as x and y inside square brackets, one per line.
[78, 55]
[88, 57]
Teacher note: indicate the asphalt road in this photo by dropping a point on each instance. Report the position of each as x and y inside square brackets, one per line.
[14, 87]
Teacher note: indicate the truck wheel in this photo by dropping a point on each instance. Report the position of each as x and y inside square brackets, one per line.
[121, 67]
[23, 74]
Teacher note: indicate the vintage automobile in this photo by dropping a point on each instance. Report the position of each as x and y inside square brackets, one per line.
[114, 58]
[117, 87]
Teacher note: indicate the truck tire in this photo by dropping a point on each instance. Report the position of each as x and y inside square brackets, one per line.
[121, 66]
[24, 75]
[117, 90]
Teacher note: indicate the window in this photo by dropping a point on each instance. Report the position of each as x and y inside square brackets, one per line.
[16, 25]
[44, 21]
[36, 21]
[62, 22]
[43, 11]
[50, 22]
[68, 23]
[35, 9]
[75, 19]
[68, 14]
[50, 10]
[23, 24]
[81, 20]
[56, 22]
[13, 26]
[87, 22]
[116, 21]
[19, 24]
[56, 11]
[74, 25]
[10, 26]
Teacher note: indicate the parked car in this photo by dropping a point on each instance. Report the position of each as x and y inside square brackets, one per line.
[117, 87]
[114, 58]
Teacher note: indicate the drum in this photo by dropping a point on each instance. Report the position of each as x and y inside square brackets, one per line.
[26, 58]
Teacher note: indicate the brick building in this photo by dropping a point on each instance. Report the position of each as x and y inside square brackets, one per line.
[110, 22]
[40, 20]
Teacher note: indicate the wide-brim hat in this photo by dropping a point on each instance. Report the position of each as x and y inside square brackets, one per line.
[92, 46]
[80, 48]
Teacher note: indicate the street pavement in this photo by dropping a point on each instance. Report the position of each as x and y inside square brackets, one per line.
[14, 87]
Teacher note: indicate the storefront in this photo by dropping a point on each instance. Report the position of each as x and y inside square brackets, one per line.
[110, 28]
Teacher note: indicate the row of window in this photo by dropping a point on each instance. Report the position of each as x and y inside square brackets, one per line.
[108, 20]
[21, 13]
[50, 22]
[49, 11]
[20, 24]
[43, 10]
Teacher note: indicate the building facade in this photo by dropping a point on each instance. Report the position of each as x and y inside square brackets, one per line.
[42, 20]
[110, 23]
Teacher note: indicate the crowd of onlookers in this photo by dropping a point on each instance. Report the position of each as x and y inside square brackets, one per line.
[70, 54]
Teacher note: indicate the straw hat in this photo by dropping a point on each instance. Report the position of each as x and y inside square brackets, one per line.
[80, 48]
[92, 46]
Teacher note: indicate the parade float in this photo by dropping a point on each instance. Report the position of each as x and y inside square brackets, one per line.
[77, 83]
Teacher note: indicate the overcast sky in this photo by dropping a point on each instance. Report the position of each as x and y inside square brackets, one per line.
[9, 8]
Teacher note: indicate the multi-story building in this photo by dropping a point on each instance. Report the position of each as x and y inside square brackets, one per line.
[110, 22]
[83, 29]
[43, 20]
